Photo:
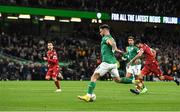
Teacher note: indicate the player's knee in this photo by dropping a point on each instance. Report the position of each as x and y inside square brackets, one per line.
[161, 77]
[116, 79]
[128, 75]
[54, 78]
[47, 78]
[94, 77]
[140, 76]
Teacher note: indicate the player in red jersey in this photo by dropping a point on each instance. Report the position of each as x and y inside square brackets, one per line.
[53, 66]
[150, 66]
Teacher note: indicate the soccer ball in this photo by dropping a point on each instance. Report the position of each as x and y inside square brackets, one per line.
[93, 97]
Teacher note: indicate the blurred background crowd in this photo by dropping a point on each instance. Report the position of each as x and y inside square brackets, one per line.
[155, 7]
[82, 55]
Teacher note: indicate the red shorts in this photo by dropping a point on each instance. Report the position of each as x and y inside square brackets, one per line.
[152, 67]
[53, 72]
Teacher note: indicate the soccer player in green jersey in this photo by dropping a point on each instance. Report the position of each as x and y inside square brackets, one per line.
[131, 52]
[108, 47]
[134, 69]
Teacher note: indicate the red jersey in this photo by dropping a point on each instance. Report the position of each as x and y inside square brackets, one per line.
[52, 59]
[149, 56]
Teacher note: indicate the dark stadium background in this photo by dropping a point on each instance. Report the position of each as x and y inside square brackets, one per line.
[23, 41]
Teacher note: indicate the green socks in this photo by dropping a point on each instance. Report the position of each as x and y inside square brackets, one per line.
[126, 80]
[91, 87]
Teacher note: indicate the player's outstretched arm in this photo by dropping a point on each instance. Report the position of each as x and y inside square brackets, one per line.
[125, 55]
[113, 44]
[136, 57]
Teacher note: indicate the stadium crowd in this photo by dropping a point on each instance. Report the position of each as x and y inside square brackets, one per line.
[157, 7]
[82, 55]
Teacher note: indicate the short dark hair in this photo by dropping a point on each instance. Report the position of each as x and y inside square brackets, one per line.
[104, 26]
[131, 37]
[50, 42]
[138, 41]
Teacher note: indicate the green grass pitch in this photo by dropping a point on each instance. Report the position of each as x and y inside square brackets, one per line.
[40, 96]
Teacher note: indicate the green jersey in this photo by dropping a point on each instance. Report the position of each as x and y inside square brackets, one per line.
[131, 52]
[106, 51]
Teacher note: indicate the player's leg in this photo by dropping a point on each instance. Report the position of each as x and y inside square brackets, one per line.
[56, 81]
[160, 75]
[129, 71]
[116, 78]
[132, 72]
[139, 85]
[139, 82]
[57, 84]
[128, 75]
[91, 87]
[115, 75]
[136, 70]
[48, 75]
[128, 78]
[100, 71]
[60, 76]
[169, 78]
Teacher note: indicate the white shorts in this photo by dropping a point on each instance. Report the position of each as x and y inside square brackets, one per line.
[104, 67]
[134, 70]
